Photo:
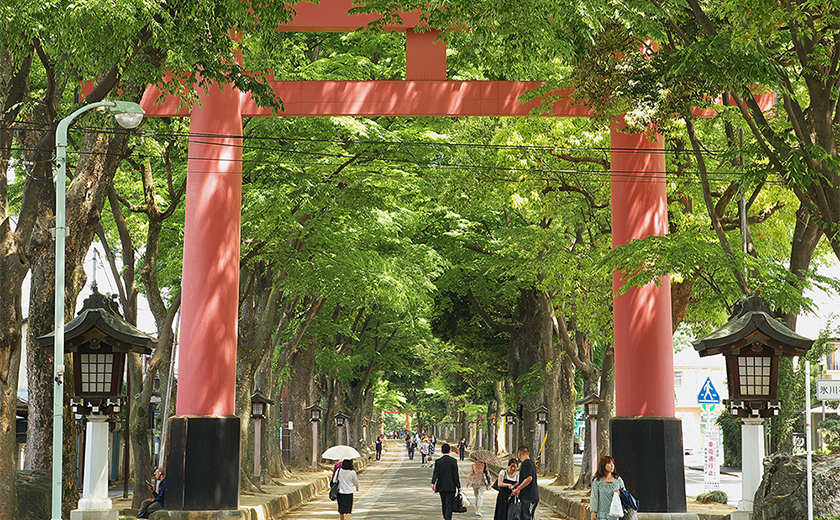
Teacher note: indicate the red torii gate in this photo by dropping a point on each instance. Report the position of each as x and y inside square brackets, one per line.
[407, 420]
[207, 355]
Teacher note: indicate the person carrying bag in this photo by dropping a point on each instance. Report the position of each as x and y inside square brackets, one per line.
[514, 509]
[605, 497]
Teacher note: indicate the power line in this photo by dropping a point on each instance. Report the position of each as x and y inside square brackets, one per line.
[535, 173]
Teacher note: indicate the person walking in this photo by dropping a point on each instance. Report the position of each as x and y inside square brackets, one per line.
[150, 505]
[507, 479]
[445, 481]
[527, 488]
[347, 479]
[424, 451]
[462, 447]
[409, 445]
[378, 447]
[605, 483]
[479, 481]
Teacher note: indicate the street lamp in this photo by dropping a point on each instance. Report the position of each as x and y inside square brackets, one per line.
[590, 405]
[259, 407]
[340, 419]
[315, 413]
[541, 414]
[129, 115]
[510, 420]
[752, 341]
[492, 427]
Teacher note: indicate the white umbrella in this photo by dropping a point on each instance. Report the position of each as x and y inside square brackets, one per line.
[341, 452]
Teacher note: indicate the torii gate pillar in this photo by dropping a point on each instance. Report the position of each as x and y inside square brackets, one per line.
[203, 457]
[646, 435]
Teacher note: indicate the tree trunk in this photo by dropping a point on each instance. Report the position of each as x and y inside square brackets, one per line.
[530, 343]
[301, 395]
[607, 404]
[565, 468]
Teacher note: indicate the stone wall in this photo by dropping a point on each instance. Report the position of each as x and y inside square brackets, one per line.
[782, 494]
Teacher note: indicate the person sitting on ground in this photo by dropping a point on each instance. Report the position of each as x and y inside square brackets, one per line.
[150, 505]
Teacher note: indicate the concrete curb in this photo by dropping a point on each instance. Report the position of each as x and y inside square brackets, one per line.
[569, 505]
[282, 504]
[566, 505]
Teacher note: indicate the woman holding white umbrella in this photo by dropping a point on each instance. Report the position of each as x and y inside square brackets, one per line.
[347, 480]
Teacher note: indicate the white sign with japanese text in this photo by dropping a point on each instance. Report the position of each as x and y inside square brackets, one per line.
[828, 390]
[711, 454]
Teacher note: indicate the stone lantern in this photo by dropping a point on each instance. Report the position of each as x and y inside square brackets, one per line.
[510, 419]
[590, 405]
[752, 341]
[98, 339]
[259, 409]
[315, 413]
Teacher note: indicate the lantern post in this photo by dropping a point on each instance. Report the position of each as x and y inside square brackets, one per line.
[98, 340]
[590, 405]
[752, 341]
[315, 413]
[341, 424]
[259, 408]
[510, 420]
[541, 415]
[128, 115]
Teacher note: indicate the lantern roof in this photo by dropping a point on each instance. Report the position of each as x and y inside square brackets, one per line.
[258, 397]
[100, 318]
[752, 322]
[590, 399]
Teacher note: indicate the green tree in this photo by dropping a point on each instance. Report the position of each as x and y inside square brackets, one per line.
[48, 48]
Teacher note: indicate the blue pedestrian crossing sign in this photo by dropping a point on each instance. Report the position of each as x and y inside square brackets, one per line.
[708, 394]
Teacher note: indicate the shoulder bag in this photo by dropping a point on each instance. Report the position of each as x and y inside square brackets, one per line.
[514, 508]
[334, 486]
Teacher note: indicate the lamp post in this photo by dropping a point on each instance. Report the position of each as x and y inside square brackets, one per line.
[340, 420]
[315, 412]
[128, 115]
[752, 341]
[591, 407]
[491, 426]
[97, 339]
[510, 420]
[259, 406]
[541, 414]
[365, 421]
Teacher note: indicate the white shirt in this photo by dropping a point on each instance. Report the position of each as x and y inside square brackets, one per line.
[347, 479]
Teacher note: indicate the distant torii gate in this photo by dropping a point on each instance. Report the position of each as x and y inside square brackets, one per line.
[207, 355]
[407, 420]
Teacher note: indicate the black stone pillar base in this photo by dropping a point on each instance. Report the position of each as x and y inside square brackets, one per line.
[648, 453]
[202, 464]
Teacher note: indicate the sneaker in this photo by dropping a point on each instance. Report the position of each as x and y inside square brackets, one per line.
[478, 513]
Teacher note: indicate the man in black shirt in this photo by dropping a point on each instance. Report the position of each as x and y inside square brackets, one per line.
[445, 481]
[527, 489]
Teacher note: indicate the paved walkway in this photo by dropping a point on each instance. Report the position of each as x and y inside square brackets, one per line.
[397, 488]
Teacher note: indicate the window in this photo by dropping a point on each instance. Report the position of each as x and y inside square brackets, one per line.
[678, 379]
[97, 371]
[754, 375]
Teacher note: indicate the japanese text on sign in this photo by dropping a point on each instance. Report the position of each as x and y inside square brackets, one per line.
[828, 390]
[711, 470]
